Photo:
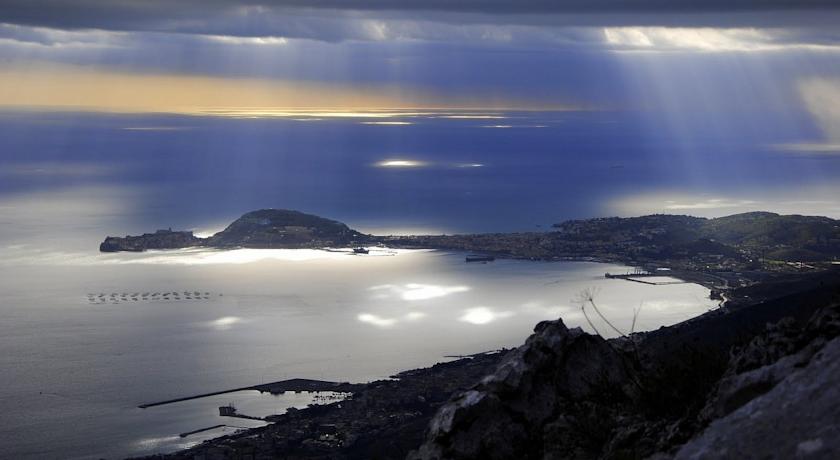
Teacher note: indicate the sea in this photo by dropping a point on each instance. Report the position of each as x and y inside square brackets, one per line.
[87, 337]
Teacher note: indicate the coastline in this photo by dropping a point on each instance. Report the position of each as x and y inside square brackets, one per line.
[407, 403]
[738, 276]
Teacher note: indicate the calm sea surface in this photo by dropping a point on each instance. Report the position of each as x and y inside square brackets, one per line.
[74, 370]
[79, 353]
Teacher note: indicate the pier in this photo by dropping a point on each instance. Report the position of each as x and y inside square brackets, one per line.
[200, 430]
[296, 385]
[635, 278]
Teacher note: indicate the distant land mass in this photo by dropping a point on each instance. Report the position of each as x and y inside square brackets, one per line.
[262, 229]
[708, 387]
[734, 250]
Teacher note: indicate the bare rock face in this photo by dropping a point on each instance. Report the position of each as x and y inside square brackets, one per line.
[569, 395]
[518, 411]
[798, 418]
[769, 359]
[780, 397]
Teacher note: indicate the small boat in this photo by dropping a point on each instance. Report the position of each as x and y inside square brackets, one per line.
[478, 258]
[361, 250]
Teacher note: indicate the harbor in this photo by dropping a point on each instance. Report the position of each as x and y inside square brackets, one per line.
[639, 273]
[280, 387]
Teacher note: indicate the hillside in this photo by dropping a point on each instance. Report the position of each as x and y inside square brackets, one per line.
[281, 228]
[265, 228]
[765, 234]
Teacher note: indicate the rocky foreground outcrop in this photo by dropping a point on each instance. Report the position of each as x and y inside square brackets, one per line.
[523, 409]
[569, 395]
[779, 398]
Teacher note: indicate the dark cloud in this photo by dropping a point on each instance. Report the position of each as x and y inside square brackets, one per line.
[334, 20]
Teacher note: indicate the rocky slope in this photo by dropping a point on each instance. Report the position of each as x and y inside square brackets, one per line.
[569, 395]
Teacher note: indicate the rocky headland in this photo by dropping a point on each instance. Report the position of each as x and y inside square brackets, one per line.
[264, 228]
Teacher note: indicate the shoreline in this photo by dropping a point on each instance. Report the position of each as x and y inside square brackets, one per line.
[406, 403]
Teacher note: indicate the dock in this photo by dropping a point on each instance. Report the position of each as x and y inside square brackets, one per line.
[200, 430]
[635, 278]
[296, 385]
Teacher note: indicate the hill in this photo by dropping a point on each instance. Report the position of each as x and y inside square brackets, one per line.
[281, 228]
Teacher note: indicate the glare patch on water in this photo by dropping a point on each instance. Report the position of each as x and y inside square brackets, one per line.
[483, 315]
[474, 117]
[245, 256]
[381, 322]
[415, 291]
[376, 320]
[224, 323]
[546, 311]
[400, 164]
[149, 444]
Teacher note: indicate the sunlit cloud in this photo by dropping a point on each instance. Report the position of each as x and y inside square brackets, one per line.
[234, 40]
[57, 86]
[60, 39]
[497, 126]
[704, 39]
[387, 123]
[415, 291]
[483, 315]
[469, 165]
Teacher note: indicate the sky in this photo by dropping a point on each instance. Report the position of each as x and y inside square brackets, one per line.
[757, 81]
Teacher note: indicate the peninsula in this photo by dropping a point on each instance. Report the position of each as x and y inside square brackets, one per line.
[721, 253]
[262, 229]
[698, 389]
